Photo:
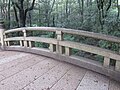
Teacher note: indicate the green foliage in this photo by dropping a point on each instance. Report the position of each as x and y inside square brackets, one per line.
[109, 45]
[69, 14]
[41, 45]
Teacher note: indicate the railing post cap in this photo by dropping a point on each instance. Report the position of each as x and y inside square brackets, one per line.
[24, 30]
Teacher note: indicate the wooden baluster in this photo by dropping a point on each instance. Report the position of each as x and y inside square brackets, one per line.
[59, 38]
[25, 42]
[21, 43]
[51, 48]
[106, 62]
[8, 43]
[5, 38]
[5, 43]
[67, 51]
[60, 49]
[30, 44]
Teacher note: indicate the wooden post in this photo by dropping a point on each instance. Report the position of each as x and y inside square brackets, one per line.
[59, 38]
[25, 42]
[2, 29]
[106, 62]
[117, 66]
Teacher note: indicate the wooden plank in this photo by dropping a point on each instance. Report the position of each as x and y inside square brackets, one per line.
[1, 77]
[71, 79]
[16, 62]
[15, 69]
[5, 54]
[23, 78]
[94, 81]
[11, 58]
[49, 79]
[114, 85]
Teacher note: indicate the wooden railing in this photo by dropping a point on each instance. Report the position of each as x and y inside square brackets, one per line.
[57, 44]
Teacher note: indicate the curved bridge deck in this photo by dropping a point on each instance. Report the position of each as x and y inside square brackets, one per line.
[25, 71]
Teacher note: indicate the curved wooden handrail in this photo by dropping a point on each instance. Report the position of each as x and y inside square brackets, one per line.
[69, 31]
[56, 47]
[14, 30]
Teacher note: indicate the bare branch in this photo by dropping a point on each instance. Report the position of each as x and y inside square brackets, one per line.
[52, 6]
[109, 5]
[16, 4]
[31, 8]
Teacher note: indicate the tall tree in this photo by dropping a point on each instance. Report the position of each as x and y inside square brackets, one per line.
[9, 5]
[22, 11]
[118, 13]
[103, 7]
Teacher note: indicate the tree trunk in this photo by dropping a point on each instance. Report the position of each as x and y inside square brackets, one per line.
[22, 18]
[118, 7]
[9, 5]
[16, 16]
[23, 12]
[53, 20]
[82, 11]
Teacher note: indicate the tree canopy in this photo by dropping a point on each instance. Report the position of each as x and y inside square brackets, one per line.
[101, 16]
[91, 15]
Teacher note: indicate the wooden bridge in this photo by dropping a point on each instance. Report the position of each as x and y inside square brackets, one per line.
[26, 67]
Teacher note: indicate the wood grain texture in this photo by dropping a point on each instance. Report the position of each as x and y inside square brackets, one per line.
[34, 72]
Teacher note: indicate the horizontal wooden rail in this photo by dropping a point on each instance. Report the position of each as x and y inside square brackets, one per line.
[41, 39]
[93, 35]
[36, 39]
[14, 30]
[49, 29]
[14, 39]
[91, 49]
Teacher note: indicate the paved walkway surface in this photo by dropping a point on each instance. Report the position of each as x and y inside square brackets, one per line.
[25, 71]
